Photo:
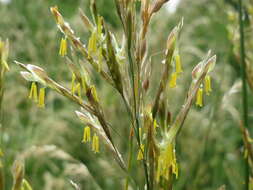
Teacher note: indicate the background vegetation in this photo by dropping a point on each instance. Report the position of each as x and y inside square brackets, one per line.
[210, 144]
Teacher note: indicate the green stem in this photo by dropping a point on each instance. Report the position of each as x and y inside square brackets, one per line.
[130, 157]
[244, 86]
[136, 114]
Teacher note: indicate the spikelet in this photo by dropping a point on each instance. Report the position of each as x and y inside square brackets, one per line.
[92, 46]
[100, 59]
[99, 27]
[140, 152]
[94, 93]
[26, 185]
[78, 90]
[73, 83]
[167, 160]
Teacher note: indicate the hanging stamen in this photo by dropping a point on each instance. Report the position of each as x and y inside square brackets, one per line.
[140, 152]
[73, 83]
[173, 80]
[41, 103]
[33, 92]
[178, 64]
[208, 86]
[86, 134]
[199, 100]
[63, 47]
[95, 143]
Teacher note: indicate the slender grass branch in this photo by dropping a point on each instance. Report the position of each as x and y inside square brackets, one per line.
[244, 85]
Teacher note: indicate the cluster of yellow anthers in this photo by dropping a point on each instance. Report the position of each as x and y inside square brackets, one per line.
[87, 138]
[76, 88]
[167, 163]
[208, 89]
[178, 70]
[34, 94]
[94, 39]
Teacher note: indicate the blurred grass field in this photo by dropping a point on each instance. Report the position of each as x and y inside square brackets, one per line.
[209, 146]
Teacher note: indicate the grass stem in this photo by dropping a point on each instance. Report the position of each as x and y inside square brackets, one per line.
[244, 85]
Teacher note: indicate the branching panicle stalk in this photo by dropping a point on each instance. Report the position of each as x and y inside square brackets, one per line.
[125, 67]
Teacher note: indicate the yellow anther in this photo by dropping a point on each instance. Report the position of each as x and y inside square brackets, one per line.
[178, 64]
[95, 143]
[100, 59]
[92, 46]
[94, 93]
[41, 98]
[208, 86]
[63, 47]
[140, 152]
[173, 80]
[73, 83]
[199, 100]
[155, 124]
[86, 134]
[99, 29]
[33, 92]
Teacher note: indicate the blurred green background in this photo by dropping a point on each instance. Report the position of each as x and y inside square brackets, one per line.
[209, 146]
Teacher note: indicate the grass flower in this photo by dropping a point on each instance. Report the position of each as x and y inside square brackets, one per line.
[208, 86]
[63, 47]
[167, 163]
[199, 99]
[33, 92]
[173, 80]
[140, 152]
[41, 103]
[95, 143]
[86, 135]
[178, 64]
[92, 46]
[73, 83]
